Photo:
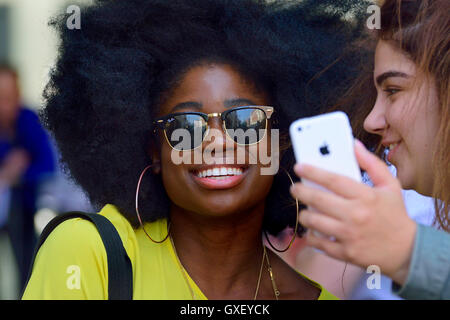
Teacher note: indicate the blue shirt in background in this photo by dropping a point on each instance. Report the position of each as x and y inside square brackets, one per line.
[30, 136]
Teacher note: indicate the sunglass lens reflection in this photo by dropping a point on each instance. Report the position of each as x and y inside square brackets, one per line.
[185, 132]
[246, 126]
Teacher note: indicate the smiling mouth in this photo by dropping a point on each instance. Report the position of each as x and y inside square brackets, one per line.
[392, 149]
[219, 173]
[392, 146]
[219, 177]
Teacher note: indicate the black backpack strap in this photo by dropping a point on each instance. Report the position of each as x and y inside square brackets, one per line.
[120, 273]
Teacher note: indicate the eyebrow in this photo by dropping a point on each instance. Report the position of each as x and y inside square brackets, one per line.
[187, 105]
[238, 102]
[198, 106]
[390, 74]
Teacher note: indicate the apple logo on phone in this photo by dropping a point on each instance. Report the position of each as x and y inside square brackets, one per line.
[324, 149]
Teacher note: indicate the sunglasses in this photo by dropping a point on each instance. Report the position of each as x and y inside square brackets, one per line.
[245, 125]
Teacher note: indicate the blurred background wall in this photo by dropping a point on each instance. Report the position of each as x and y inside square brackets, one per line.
[28, 43]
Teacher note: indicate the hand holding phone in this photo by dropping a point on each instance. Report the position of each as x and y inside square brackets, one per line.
[326, 141]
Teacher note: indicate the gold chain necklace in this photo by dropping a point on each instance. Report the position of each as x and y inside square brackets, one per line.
[269, 268]
[272, 278]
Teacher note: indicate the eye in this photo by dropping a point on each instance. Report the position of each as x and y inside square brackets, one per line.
[391, 91]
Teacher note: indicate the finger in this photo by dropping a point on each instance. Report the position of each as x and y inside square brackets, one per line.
[377, 170]
[338, 184]
[332, 248]
[325, 225]
[322, 201]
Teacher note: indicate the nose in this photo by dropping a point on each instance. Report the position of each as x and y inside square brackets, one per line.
[375, 122]
[216, 142]
[216, 133]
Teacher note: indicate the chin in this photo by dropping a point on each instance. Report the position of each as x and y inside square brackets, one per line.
[406, 182]
[406, 185]
[221, 209]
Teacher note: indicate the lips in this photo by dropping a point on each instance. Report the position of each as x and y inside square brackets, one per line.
[219, 176]
[219, 172]
[392, 148]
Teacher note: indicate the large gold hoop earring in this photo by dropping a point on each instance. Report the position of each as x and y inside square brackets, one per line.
[296, 224]
[137, 209]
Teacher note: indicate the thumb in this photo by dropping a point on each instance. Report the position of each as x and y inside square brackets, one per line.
[376, 169]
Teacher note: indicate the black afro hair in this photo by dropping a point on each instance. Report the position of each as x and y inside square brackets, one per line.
[110, 75]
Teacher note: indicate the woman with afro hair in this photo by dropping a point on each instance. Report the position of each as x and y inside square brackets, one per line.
[138, 72]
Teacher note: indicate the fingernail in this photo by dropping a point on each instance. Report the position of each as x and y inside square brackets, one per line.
[291, 189]
[294, 187]
[360, 145]
[298, 168]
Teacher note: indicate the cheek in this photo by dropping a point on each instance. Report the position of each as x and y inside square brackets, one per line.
[267, 150]
[176, 184]
[400, 122]
[265, 182]
[257, 186]
[171, 173]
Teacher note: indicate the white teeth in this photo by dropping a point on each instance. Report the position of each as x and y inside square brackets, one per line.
[219, 173]
[219, 178]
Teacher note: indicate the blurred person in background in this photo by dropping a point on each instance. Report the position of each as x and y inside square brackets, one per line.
[26, 162]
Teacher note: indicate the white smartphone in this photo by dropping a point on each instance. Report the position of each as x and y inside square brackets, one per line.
[325, 141]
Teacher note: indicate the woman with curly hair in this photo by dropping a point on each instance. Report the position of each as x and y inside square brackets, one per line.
[407, 116]
[137, 73]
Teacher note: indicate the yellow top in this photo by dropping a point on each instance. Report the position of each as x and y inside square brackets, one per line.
[72, 263]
